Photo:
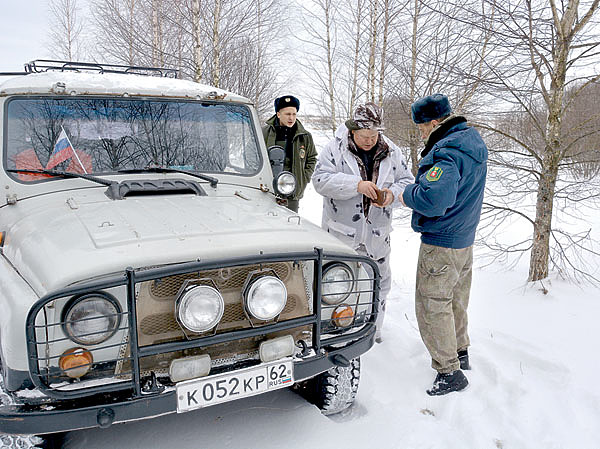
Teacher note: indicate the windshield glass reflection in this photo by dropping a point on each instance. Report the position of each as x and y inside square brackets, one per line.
[94, 136]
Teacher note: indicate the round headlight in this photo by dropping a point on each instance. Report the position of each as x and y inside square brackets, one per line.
[266, 298]
[338, 282]
[200, 308]
[286, 183]
[92, 319]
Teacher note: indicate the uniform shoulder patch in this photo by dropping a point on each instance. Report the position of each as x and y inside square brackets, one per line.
[434, 173]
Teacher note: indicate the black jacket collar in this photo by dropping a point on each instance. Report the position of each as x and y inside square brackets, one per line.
[440, 132]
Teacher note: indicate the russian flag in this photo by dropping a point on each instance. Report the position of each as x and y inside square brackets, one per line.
[62, 151]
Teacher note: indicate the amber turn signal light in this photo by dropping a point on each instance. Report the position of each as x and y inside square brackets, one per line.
[342, 316]
[76, 362]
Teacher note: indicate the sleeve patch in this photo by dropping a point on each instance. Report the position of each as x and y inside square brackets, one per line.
[434, 173]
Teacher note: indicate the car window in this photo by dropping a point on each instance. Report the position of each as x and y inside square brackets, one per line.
[100, 135]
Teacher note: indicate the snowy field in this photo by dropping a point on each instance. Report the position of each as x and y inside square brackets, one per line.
[533, 384]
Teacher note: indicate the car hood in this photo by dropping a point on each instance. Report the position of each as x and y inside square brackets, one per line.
[54, 243]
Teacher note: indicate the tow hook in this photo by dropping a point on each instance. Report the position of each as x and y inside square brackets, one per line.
[152, 386]
[106, 417]
[340, 360]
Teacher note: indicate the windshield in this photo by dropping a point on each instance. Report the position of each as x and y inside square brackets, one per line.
[94, 136]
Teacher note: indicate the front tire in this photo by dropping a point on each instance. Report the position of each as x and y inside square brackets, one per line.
[334, 390]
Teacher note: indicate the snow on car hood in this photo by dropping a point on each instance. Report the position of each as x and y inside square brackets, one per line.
[55, 243]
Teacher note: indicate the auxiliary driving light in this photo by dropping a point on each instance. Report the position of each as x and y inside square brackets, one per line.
[189, 367]
[285, 183]
[342, 316]
[277, 348]
[200, 308]
[265, 298]
[76, 362]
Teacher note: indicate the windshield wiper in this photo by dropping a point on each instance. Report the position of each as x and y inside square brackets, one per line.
[213, 181]
[64, 174]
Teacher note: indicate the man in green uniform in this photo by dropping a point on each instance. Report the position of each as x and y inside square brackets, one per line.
[285, 130]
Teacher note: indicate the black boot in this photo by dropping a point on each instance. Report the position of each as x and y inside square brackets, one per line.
[445, 383]
[463, 358]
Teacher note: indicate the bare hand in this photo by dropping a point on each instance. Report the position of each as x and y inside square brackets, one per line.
[401, 199]
[368, 189]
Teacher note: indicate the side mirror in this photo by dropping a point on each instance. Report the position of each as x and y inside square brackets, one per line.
[284, 182]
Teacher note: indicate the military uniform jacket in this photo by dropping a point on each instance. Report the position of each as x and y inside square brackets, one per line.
[447, 195]
[336, 177]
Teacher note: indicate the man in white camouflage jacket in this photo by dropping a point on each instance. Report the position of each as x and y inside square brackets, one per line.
[357, 163]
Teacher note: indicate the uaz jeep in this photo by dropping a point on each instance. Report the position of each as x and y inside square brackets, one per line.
[146, 266]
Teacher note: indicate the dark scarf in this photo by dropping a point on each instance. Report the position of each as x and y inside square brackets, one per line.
[369, 162]
[286, 134]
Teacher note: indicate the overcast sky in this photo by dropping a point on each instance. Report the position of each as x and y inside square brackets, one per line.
[23, 32]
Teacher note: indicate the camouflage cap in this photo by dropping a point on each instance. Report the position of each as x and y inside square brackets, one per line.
[366, 116]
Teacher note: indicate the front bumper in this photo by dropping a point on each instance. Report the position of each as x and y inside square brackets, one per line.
[103, 410]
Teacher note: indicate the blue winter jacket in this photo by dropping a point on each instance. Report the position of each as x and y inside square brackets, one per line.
[447, 195]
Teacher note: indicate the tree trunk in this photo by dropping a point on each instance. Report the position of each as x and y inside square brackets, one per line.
[356, 56]
[372, 48]
[257, 74]
[540, 249]
[156, 35]
[216, 45]
[196, 18]
[330, 65]
[386, 25]
[131, 33]
[413, 141]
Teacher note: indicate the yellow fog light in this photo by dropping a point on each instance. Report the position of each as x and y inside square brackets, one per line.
[342, 316]
[76, 362]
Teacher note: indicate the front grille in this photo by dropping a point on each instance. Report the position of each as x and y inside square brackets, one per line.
[156, 301]
[224, 278]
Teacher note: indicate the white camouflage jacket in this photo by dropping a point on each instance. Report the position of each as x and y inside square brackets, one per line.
[336, 177]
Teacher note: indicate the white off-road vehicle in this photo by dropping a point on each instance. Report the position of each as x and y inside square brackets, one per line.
[145, 264]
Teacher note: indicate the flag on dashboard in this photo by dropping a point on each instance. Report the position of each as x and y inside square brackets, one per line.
[63, 150]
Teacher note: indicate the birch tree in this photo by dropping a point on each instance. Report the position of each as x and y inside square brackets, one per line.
[117, 23]
[65, 37]
[439, 50]
[542, 48]
[320, 26]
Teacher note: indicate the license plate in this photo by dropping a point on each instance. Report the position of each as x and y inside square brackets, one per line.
[198, 393]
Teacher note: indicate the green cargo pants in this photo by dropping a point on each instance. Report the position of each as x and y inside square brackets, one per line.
[441, 301]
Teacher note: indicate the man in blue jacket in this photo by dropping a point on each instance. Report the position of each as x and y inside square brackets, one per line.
[446, 200]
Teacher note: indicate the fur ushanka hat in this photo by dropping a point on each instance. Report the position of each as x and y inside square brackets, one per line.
[430, 108]
[286, 101]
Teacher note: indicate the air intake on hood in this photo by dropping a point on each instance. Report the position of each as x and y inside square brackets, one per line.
[144, 187]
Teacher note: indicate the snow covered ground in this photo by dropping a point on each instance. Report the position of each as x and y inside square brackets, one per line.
[533, 384]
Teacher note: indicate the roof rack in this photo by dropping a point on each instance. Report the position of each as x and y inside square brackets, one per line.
[12, 73]
[46, 65]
